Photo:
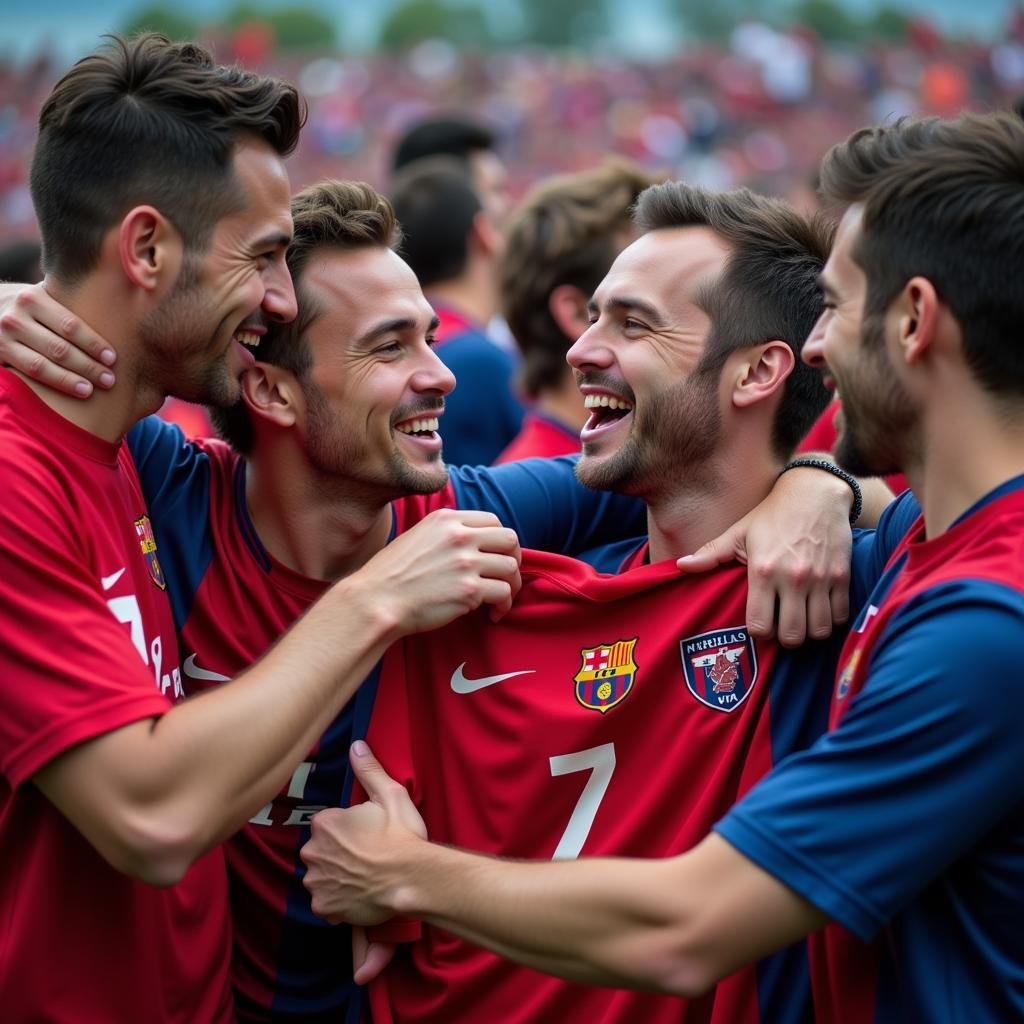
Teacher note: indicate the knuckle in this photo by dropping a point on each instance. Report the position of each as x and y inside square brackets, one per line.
[59, 349]
[34, 364]
[764, 569]
[69, 325]
[8, 321]
[25, 299]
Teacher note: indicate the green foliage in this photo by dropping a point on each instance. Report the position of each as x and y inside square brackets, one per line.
[563, 23]
[157, 18]
[416, 20]
[888, 23]
[829, 19]
[294, 28]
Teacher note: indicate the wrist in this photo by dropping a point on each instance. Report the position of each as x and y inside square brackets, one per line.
[852, 487]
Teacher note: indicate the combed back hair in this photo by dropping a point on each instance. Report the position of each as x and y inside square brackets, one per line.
[436, 204]
[849, 169]
[145, 120]
[768, 288]
[332, 216]
[450, 135]
[952, 210]
[567, 231]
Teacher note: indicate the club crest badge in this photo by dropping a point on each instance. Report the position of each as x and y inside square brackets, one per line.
[147, 542]
[607, 673]
[720, 667]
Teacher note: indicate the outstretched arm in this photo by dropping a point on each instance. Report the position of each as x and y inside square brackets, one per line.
[675, 925]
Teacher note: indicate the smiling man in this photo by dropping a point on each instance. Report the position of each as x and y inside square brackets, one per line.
[160, 188]
[903, 825]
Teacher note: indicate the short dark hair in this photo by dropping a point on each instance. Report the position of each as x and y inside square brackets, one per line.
[950, 209]
[340, 216]
[563, 233]
[768, 289]
[450, 135]
[436, 205]
[145, 120]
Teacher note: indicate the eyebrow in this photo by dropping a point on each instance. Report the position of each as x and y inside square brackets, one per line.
[625, 304]
[827, 288]
[395, 326]
[273, 241]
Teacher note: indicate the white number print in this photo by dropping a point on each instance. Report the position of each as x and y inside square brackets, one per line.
[600, 762]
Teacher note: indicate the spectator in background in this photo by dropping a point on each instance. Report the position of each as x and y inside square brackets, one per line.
[559, 245]
[19, 261]
[453, 244]
[466, 140]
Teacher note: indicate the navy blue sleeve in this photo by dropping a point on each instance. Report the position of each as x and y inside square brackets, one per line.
[873, 548]
[482, 415]
[545, 504]
[175, 476]
[926, 761]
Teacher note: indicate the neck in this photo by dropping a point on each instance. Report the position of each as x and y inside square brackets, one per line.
[564, 404]
[711, 499]
[473, 293]
[107, 414]
[308, 522]
[969, 446]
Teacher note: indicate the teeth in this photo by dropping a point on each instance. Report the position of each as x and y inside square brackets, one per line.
[605, 402]
[250, 338]
[415, 426]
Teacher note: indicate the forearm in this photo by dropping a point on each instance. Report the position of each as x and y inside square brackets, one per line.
[202, 769]
[669, 925]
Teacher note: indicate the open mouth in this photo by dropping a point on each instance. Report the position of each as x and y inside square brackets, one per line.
[420, 432]
[244, 336]
[606, 412]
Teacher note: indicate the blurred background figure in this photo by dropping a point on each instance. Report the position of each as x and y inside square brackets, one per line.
[20, 261]
[453, 243]
[559, 245]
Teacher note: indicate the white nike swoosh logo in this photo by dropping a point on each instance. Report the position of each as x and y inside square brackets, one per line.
[460, 684]
[193, 671]
[109, 581]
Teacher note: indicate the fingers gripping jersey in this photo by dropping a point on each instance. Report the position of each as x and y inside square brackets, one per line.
[232, 600]
[909, 815]
[617, 715]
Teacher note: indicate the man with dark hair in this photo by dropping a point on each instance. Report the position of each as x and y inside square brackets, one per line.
[338, 420]
[559, 244]
[696, 413]
[453, 242]
[904, 823]
[162, 195]
[466, 140]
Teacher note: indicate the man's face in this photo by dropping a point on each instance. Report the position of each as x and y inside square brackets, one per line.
[490, 182]
[876, 425]
[654, 413]
[196, 338]
[376, 389]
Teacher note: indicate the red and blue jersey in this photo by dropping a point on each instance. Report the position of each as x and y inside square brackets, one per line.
[905, 824]
[88, 647]
[541, 438]
[232, 600]
[603, 715]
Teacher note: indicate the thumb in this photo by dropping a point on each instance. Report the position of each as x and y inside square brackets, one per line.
[377, 956]
[369, 772]
[708, 556]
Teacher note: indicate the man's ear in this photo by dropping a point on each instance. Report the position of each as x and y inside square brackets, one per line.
[761, 371]
[917, 309]
[484, 235]
[568, 307]
[150, 248]
[272, 393]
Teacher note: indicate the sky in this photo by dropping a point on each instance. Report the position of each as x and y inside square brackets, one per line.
[72, 27]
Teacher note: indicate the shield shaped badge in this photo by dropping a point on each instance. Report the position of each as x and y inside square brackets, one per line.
[607, 673]
[720, 667]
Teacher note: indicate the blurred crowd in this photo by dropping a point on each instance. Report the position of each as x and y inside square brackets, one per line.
[759, 111]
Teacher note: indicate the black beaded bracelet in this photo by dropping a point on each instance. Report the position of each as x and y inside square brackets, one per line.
[831, 467]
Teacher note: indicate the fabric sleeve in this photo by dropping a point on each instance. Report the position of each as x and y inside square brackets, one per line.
[925, 762]
[872, 549]
[175, 476]
[68, 669]
[545, 504]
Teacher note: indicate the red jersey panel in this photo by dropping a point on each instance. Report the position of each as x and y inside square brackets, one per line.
[602, 716]
[89, 647]
[541, 437]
